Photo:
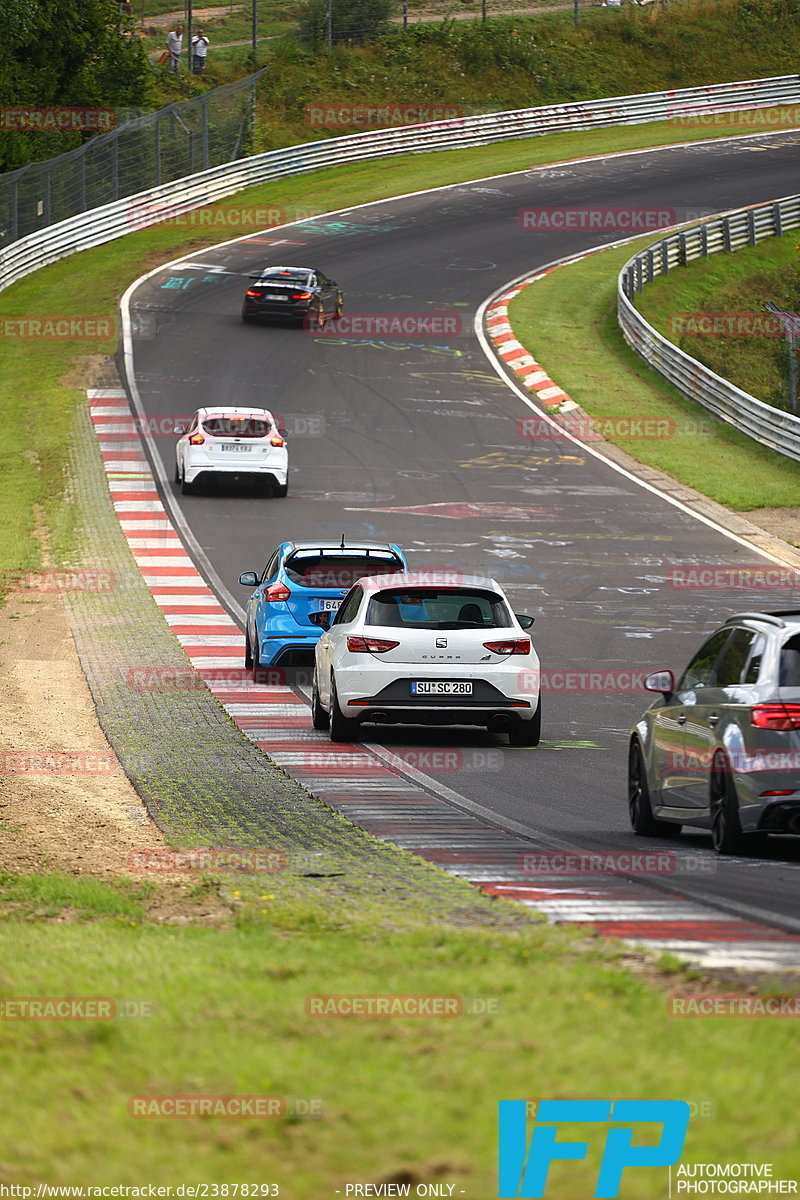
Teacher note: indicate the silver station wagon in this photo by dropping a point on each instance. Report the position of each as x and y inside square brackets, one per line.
[720, 749]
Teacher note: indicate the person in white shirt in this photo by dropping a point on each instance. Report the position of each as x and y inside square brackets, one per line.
[174, 47]
[199, 51]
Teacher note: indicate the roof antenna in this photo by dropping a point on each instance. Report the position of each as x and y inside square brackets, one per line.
[342, 547]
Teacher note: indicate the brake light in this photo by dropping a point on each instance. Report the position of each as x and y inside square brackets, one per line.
[196, 439]
[275, 440]
[776, 716]
[370, 645]
[512, 646]
[277, 591]
[252, 292]
[301, 295]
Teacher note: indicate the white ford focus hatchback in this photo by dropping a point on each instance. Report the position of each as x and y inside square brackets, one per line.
[424, 648]
[244, 443]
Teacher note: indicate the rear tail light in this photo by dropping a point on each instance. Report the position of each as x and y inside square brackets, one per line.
[784, 792]
[775, 716]
[277, 591]
[276, 440]
[370, 645]
[252, 292]
[512, 646]
[196, 439]
[301, 295]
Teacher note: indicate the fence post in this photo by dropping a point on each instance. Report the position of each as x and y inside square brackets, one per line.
[157, 150]
[776, 219]
[115, 169]
[83, 184]
[751, 227]
[14, 211]
[204, 129]
[47, 197]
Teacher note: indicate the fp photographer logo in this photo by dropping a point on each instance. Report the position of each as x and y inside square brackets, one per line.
[524, 1166]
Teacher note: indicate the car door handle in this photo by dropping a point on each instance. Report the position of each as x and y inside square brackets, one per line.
[682, 719]
[713, 719]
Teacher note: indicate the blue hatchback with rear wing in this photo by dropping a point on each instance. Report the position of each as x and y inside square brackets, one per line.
[301, 581]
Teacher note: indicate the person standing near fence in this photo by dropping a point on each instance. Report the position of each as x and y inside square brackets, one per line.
[174, 47]
[199, 52]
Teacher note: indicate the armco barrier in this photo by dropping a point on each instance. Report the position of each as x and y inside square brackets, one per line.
[767, 425]
[100, 225]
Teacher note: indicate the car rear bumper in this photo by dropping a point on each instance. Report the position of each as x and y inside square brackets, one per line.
[267, 472]
[276, 312]
[488, 706]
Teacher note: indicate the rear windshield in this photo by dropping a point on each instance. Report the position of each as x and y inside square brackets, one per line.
[246, 427]
[445, 608]
[286, 277]
[331, 570]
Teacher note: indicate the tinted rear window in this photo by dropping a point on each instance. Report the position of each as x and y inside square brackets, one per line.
[444, 608]
[337, 570]
[291, 277]
[247, 427]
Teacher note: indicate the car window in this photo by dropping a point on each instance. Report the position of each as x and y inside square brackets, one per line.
[700, 671]
[349, 607]
[241, 427]
[789, 670]
[314, 570]
[753, 667]
[730, 667]
[271, 567]
[438, 608]
[290, 275]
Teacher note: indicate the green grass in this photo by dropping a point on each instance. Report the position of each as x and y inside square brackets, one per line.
[412, 1095]
[568, 322]
[49, 895]
[738, 283]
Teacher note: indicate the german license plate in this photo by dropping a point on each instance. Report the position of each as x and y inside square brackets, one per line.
[234, 446]
[274, 296]
[444, 687]
[330, 605]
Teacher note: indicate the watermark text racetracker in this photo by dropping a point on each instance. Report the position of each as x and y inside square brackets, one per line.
[598, 680]
[56, 119]
[389, 325]
[739, 577]
[52, 328]
[244, 217]
[596, 429]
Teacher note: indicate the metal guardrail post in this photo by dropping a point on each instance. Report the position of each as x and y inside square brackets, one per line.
[751, 228]
[726, 234]
[777, 222]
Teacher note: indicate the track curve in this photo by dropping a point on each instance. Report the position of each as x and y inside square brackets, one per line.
[420, 447]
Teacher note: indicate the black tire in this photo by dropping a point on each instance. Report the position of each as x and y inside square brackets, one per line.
[248, 320]
[726, 829]
[177, 472]
[187, 489]
[281, 490]
[342, 728]
[527, 733]
[248, 653]
[643, 822]
[254, 663]
[319, 718]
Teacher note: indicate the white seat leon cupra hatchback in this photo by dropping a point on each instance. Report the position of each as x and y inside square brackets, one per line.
[427, 648]
[240, 443]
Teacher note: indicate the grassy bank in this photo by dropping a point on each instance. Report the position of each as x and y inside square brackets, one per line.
[576, 306]
[510, 62]
[226, 1011]
[737, 286]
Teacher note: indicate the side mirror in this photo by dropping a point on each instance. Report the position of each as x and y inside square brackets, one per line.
[179, 430]
[323, 619]
[248, 579]
[525, 621]
[660, 681]
[283, 433]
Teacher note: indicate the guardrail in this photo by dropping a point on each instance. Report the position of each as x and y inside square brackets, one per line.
[770, 426]
[114, 220]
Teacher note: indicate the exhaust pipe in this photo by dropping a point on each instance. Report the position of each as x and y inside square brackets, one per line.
[380, 717]
[500, 723]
